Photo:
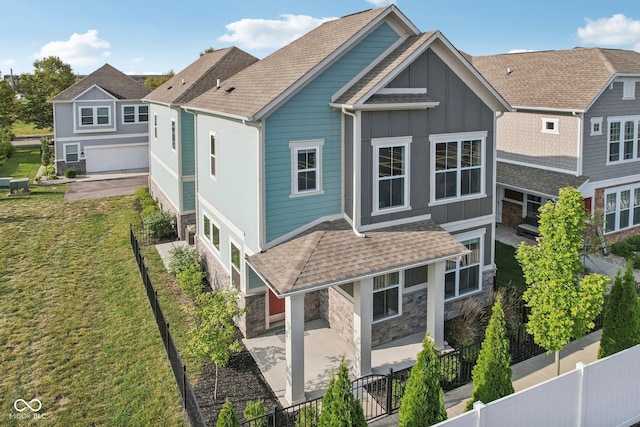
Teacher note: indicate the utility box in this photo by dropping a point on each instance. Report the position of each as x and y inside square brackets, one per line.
[19, 186]
[191, 233]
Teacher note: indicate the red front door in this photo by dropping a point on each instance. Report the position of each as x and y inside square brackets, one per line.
[276, 307]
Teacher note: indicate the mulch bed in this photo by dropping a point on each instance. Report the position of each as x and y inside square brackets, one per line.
[240, 381]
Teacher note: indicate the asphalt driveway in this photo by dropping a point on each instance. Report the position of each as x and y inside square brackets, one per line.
[82, 190]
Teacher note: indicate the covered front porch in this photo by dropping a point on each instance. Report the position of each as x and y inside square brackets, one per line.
[323, 350]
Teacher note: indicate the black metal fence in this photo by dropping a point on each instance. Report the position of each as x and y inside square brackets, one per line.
[189, 401]
[147, 235]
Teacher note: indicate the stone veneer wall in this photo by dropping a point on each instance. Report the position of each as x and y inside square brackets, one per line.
[413, 320]
[452, 308]
[182, 221]
[511, 214]
[337, 310]
[80, 166]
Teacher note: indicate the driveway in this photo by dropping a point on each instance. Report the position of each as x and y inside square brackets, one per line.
[81, 190]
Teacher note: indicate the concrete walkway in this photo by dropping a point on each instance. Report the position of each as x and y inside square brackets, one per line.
[525, 374]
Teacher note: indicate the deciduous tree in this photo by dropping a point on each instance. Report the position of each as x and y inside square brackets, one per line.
[492, 372]
[621, 327]
[563, 303]
[423, 400]
[153, 82]
[9, 107]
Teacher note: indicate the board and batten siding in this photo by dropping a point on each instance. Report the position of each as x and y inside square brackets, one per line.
[460, 110]
[307, 116]
[234, 190]
[187, 143]
[163, 160]
[609, 104]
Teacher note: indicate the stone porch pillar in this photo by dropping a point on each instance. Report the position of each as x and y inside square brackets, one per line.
[294, 348]
[362, 318]
[435, 303]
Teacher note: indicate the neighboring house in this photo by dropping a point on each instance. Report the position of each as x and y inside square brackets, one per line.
[349, 176]
[576, 123]
[171, 136]
[100, 124]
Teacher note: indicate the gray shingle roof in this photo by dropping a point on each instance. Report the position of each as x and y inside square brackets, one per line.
[536, 180]
[108, 78]
[264, 82]
[559, 79]
[330, 253]
[202, 75]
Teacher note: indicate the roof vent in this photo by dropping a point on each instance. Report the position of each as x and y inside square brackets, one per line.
[169, 87]
[509, 70]
[231, 89]
[182, 81]
[217, 83]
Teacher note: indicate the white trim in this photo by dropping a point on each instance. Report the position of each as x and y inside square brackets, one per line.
[617, 190]
[89, 89]
[110, 126]
[377, 144]
[399, 286]
[242, 286]
[594, 121]
[554, 122]
[311, 144]
[636, 139]
[478, 223]
[99, 137]
[174, 135]
[394, 222]
[214, 156]
[536, 166]
[628, 89]
[401, 91]
[464, 237]
[136, 113]
[134, 144]
[64, 152]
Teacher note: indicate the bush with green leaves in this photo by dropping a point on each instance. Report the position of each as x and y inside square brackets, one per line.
[46, 151]
[621, 323]
[70, 173]
[339, 406]
[7, 149]
[147, 203]
[227, 416]
[308, 416]
[160, 224]
[191, 280]
[50, 172]
[181, 258]
[255, 409]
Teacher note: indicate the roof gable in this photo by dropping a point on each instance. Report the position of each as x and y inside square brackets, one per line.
[109, 79]
[201, 75]
[558, 80]
[254, 91]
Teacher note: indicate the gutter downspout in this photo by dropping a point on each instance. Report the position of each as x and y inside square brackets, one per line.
[580, 157]
[355, 181]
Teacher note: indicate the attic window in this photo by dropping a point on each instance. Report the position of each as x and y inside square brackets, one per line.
[229, 90]
[550, 126]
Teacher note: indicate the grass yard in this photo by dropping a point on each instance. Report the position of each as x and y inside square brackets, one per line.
[24, 163]
[76, 330]
[21, 128]
[509, 272]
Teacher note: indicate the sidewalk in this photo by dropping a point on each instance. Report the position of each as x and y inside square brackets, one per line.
[525, 374]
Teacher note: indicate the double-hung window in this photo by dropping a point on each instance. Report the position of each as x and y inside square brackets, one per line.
[306, 167]
[71, 153]
[623, 139]
[458, 165]
[236, 267]
[95, 116]
[391, 173]
[212, 154]
[173, 134]
[621, 208]
[212, 232]
[464, 276]
[135, 113]
[155, 126]
[206, 227]
[386, 296]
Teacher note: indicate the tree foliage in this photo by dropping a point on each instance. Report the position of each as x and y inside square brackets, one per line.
[207, 50]
[621, 328]
[339, 407]
[50, 77]
[9, 107]
[492, 372]
[153, 82]
[227, 416]
[423, 400]
[563, 305]
[213, 336]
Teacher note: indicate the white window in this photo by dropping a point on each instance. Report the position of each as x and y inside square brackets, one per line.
[621, 208]
[386, 296]
[464, 276]
[173, 134]
[596, 126]
[213, 162]
[391, 174]
[306, 167]
[135, 113]
[236, 266]
[71, 153]
[206, 227]
[211, 232]
[550, 126]
[95, 116]
[155, 126]
[623, 139]
[458, 165]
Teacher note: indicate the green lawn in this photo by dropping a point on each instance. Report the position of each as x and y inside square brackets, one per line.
[76, 330]
[23, 164]
[509, 272]
[21, 128]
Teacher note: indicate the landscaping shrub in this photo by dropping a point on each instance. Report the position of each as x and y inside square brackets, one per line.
[143, 197]
[307, 417]
[46, 151]
[191, 280]
[227, 416]
[181, 258]
[70, 173]
[146, 211]
[50, 172]
[6, 149]
[160, 224]
[339, 406]
[254, 409]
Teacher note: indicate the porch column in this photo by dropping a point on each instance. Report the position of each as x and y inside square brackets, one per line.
[362, 317]
[294, 348]
[435, 303]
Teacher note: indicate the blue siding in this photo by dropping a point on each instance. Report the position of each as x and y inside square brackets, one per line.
[189, 195]
[307, 115]
[187, 143]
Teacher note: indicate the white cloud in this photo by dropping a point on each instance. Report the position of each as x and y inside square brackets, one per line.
[6, 63]
[138, 60]
[81, 50]
[268, 33]
[380, 3]
[521, 50]
[618, 30]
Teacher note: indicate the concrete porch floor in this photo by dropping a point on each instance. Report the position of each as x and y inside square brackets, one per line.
[323, 350]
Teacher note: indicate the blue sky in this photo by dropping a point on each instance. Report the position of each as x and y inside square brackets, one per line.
[147, 38]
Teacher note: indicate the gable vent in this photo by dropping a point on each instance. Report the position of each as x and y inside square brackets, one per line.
[229, 90]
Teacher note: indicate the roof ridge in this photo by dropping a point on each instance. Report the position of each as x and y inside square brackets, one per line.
[315, 248]
[606, 60]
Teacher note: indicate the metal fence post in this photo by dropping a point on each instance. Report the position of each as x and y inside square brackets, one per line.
[184, 386]
[389, 391]
[274, 416]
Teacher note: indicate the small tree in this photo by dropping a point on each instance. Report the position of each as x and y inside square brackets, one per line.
[213, 336]
[227, 416]
[621, 326]
[492, 373]
[9, 107]
[562, 306]
[255, 409]
[339, 407]
[423, 400]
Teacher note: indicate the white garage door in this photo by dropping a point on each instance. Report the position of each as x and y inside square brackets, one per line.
[113, 158]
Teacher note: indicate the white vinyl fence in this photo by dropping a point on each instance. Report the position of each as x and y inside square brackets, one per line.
[603, 393]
